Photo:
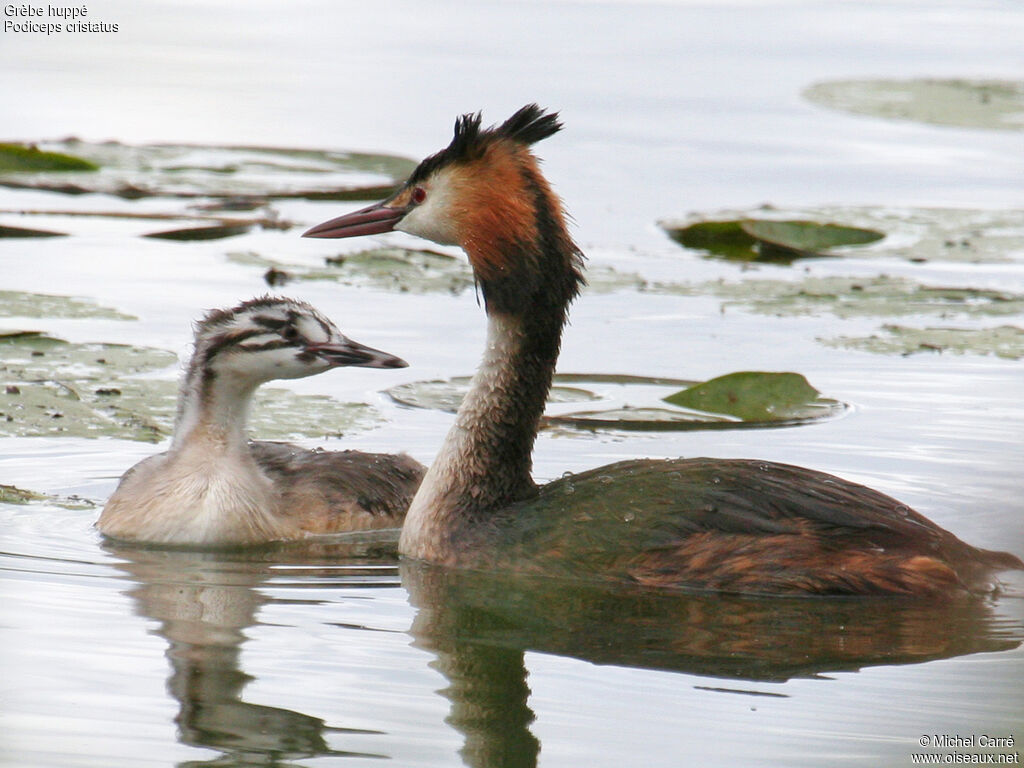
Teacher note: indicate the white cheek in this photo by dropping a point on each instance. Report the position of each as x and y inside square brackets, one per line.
[431, 221]
[265, 366]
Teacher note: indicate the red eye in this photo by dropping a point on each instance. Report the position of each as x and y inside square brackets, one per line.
[419, 194]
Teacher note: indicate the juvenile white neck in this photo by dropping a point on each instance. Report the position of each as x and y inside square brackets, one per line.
[214, 410]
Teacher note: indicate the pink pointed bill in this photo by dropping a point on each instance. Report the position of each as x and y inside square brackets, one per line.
[372, 220]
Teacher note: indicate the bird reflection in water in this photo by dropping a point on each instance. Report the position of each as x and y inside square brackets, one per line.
[478, 626]
[203, 602]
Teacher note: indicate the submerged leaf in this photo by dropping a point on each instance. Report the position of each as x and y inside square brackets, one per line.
[986, 104]
[1004, 341]
[755, 396]
[846, 297]
[19, 304]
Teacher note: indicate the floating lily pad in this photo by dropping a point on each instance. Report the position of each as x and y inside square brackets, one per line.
[1004, 341]
[914, 234]
[22, 157]
[636, 403]
[880, 296]
[280, 414]
[214, 232]
[632, 419]
[986, 104]
[769, 240]
[18, 304]
[23, 232]
[31, 356]
[797, 239]
[447, 394]
[236, 173]
[757, 396]
[401, 269]
[54, 388]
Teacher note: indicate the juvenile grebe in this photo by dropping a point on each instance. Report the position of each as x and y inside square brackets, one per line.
[722, 524]
[213, 488]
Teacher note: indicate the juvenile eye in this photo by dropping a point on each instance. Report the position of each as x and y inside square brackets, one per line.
[291, 333]
[419, 194]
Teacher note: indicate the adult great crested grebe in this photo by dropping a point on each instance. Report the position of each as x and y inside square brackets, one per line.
[213, 488]
[722, 524]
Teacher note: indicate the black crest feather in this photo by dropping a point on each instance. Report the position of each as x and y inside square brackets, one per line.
[527, 126]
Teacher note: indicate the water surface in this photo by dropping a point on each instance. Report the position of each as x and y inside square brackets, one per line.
[341, 655]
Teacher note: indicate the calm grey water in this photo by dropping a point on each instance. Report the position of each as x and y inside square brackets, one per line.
[115, 656]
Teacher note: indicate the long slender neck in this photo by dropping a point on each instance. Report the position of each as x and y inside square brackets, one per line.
[485, 462]
[529, 271]
[213, 411]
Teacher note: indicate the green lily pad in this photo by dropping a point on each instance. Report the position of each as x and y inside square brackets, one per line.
[963, 103]
[1004, 341]
[23, 232]
[253, 174]
[19, 304]
[635, 403]
[28, 157]
[769, 240]
[399, 269]
[804, 238]
[755, 396]
[914, 234]
[720, 238]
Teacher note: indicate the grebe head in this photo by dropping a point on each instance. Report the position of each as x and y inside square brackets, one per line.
[485, 193]
[277, 338]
